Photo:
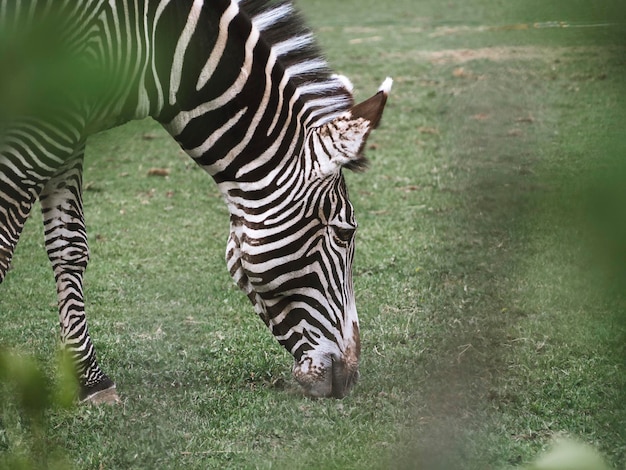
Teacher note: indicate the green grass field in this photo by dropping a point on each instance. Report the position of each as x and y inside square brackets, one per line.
[490, 267]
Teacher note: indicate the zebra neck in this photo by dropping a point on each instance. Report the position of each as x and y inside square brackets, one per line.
[246, 85]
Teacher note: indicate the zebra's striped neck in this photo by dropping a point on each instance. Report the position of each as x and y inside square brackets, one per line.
[257, 82]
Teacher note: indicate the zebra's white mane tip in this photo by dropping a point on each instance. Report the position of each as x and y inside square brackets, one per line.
[345, 81]
[385, 87]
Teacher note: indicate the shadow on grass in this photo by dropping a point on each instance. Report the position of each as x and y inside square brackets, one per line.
[539, 250]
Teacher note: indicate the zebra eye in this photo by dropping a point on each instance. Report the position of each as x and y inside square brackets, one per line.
[343, 235]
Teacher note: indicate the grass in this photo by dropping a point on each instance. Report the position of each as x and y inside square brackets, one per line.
[489, 270]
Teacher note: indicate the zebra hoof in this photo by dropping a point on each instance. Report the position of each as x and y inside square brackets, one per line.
[99, 393]
[107, 396]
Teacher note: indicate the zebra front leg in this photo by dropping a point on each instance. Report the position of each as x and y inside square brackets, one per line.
[66, 244]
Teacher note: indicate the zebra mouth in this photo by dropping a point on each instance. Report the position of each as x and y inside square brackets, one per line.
[336, 380]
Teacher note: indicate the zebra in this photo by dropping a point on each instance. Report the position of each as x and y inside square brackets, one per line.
[243, 89]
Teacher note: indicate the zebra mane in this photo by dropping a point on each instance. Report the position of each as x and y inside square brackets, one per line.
[292, 41]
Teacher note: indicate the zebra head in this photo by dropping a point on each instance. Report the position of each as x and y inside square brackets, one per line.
[296, 263]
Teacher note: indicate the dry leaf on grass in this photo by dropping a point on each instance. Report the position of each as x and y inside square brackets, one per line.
[158, 172]
[428, 130]
[363, 40]
[410, 188]
[515, 133]
[526, 119]
[460, 72]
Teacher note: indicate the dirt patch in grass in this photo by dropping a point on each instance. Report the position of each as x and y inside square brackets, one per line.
[504, 53]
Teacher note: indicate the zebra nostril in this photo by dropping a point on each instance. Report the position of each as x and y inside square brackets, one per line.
[344, 376]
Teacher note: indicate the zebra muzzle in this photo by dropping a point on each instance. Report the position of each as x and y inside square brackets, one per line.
[334, 377]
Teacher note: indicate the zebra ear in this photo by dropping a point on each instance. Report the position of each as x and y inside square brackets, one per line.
[372, 109]
[345, 136]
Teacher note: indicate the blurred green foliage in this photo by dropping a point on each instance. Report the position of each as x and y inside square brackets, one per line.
[27, 397]
[569, 455]
[44, 68]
